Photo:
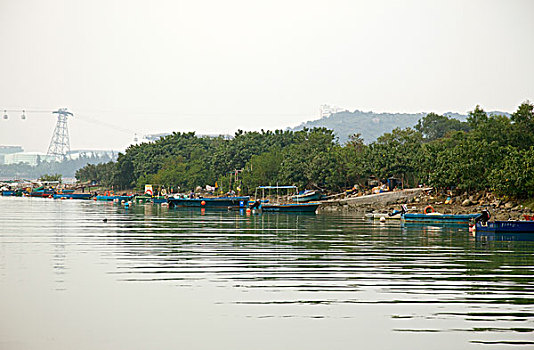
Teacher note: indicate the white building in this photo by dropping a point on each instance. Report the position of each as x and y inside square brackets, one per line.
[31, 158]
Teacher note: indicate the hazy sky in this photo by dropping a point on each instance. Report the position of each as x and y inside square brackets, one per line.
[131, 66]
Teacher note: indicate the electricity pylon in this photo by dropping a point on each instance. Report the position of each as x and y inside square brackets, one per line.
[60, 144]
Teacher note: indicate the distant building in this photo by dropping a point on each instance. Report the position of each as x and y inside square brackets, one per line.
[31, 158]
[327, 110]
[9, 150]
[75, 154]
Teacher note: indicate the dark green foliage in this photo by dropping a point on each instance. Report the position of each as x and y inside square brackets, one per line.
[50, 177]
[434, 126]
[491, 152]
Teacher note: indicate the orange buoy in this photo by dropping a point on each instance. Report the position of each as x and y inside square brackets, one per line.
[428, 209]
[203, 203]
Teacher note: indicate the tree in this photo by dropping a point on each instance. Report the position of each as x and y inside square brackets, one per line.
[477, 117]
[434, 126]
[50, 177]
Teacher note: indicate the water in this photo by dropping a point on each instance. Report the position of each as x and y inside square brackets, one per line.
[154, 278]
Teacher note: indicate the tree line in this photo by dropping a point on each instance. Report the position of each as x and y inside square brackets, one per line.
[486, 152]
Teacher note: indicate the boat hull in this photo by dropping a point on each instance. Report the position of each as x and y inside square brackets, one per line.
[73, 196]
[513, 226]
[8, 193]
[218, 202]
[290, 207]
[114, 198]
[447, 219]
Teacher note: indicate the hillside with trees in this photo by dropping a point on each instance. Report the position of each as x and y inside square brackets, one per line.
[371, 125]
[485, 152]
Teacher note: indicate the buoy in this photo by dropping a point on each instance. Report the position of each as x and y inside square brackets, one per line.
[428, 209]
[203, 203]
[382, 219]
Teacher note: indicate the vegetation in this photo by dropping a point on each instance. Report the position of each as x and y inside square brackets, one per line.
[372, 125]
[484, 152]
[50, 177]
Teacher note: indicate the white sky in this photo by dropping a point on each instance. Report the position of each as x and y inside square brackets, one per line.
[125, 66]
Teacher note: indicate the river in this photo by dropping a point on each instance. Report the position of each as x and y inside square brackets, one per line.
[156, 278]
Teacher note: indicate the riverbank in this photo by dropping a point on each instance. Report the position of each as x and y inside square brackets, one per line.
[417, 199]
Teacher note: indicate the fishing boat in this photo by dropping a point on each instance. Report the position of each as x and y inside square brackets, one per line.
[41, 192]
[511, 230]
[8, 193]
[438, 218]
[510, 226]
[208, 202]
[111, 196]
[307, 196]
[150, 199]
[429, 216]
[284, 207]
[72, 196]
[159, 199]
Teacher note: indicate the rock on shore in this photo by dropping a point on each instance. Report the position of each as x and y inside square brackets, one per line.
[418, 199]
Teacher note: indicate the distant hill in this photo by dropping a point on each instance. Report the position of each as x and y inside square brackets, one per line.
[369, 124]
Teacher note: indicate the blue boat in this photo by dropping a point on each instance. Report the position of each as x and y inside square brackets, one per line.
[512, 226]
[8, 193]
[290, 207]
[437, 218]
[114, 198]
[72, 196]
[214, 202]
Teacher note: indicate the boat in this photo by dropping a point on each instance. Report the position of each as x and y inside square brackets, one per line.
[111, 196]
[8, 193]
[509, 226]
[307, 196]
[73, 195]
[150, 199]
[41, 192]
[263, 205]
[159, 199]
[208, 202]
[510, 230]
[438, 218]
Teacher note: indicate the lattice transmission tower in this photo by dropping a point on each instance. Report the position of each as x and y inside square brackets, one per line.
[60, 144]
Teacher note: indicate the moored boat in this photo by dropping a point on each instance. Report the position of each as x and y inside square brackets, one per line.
[72, 196]
[438, 218]
[283, 207]
[111, 196]
[209, 202]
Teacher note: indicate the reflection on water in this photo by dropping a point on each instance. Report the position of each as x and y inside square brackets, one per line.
[339, 269]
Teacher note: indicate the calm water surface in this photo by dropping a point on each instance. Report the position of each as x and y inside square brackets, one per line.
[154, 278]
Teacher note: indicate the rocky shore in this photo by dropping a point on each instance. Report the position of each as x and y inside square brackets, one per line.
[447, 203]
